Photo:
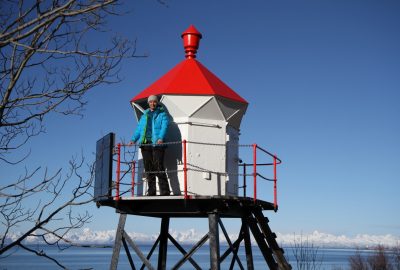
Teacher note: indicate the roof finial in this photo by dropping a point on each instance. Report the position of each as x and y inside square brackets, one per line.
[191, 39]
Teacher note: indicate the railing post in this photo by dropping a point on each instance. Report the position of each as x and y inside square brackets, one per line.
[118, 171]
[185, 169]
[244, 179]
[133, 177]
[255, 170]
[275, 188]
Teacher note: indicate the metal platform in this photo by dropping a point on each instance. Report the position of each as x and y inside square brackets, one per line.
[247, 210]
[177, 206]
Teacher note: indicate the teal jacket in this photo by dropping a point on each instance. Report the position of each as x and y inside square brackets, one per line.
[159, 126]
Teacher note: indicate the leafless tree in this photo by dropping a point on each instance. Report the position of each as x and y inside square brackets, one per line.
[357, 262]
[382, 258]
[51, 54]
[306, 254]
[45, 208]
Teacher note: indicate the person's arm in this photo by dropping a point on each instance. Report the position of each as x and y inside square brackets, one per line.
[138, 131]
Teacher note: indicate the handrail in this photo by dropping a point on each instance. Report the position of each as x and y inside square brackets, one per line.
[276, 161]
[271, 155]
[258, 164]
[255, 174]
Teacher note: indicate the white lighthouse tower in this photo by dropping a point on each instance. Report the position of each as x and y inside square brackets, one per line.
[207, 114]
[202, 164]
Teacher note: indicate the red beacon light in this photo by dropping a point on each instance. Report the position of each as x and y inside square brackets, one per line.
[191, 40]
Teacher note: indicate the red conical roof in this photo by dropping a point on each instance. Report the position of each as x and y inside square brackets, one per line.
[189, 77]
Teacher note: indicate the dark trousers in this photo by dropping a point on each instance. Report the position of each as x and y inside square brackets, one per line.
[153, 159]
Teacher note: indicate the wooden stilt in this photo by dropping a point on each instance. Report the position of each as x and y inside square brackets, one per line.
[213, 240]
[247, 244]
[118, 242]
[162, 253]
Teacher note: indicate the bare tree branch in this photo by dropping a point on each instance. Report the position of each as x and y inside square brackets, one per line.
[16, 211]
[42, 254]
[306, 254]
[34, 38]
[48, 63]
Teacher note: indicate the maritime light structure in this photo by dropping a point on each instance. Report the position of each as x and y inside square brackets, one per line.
[207, 113]
[202, 164]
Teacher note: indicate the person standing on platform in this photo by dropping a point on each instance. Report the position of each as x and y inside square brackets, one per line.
[150, 133]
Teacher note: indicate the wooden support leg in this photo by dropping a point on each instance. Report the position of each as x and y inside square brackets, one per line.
[162, 253]
[247, 244]
[214, 240]
[118, 242]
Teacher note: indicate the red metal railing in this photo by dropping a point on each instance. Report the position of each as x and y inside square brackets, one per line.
[256, 172]
[117, 197]
[275, 161]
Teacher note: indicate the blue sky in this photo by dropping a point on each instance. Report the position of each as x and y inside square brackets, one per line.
[323, 86]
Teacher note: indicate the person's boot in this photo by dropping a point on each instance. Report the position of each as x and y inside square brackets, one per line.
[152, 187]
[165, 193]
[164, 187]
[151, 193]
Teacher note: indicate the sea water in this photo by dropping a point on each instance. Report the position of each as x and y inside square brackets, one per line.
[100, 258]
